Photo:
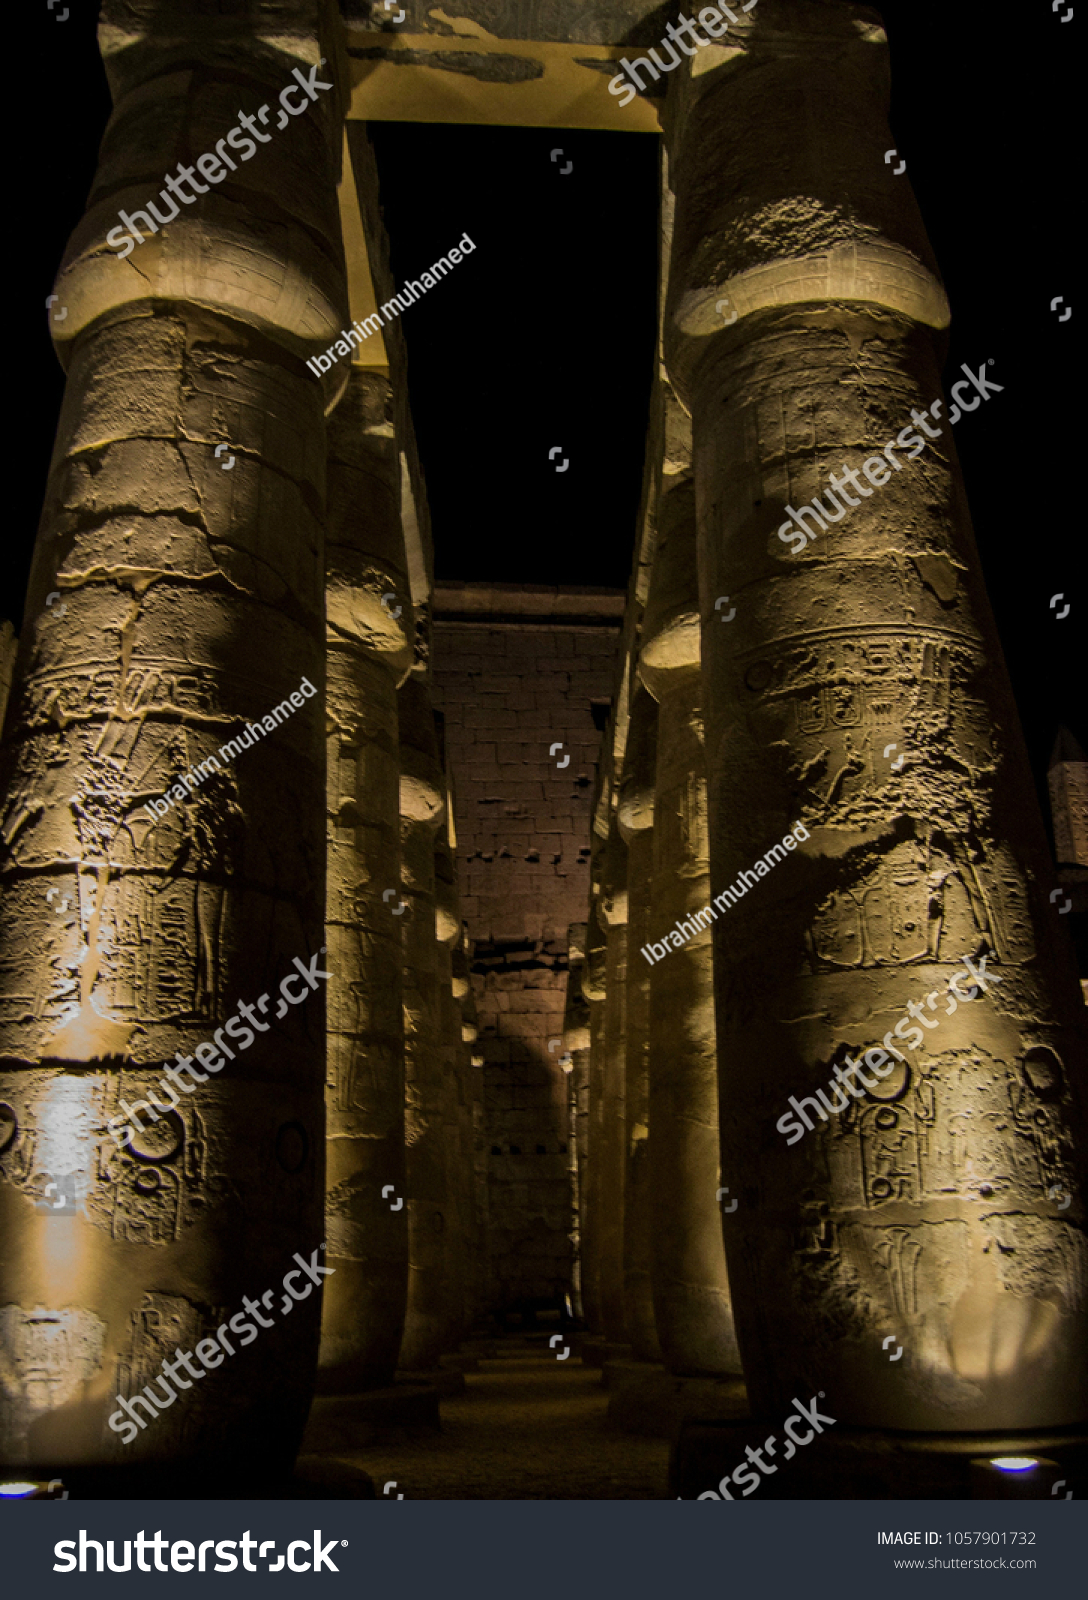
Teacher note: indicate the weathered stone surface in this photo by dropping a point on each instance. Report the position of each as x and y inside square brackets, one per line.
[635, 819]
[9, 644]
[594, 989]
[569, 21]
[194, 602]
[368, 653]
[690, 1282]
[787, 228]
[423, 808]
[518, 668]
[1067, 781]
[610, 1134]
[575, 1062]
[928, 1208]
[262, 245]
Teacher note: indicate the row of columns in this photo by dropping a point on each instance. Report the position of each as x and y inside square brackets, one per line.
[200, 592]
[803, 324]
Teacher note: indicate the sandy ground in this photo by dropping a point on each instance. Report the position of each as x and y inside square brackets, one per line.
[528, 1427]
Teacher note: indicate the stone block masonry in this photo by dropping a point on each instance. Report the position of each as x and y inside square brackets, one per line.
[518, 670]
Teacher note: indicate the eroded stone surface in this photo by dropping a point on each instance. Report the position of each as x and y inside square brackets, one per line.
[691, 1294]
[368, 653]
[194, 601]
[922, 1210]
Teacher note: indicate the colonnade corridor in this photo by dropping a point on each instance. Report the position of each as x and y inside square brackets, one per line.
[528, 1426]
[533, 963]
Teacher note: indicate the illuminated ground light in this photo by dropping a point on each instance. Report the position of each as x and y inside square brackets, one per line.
[18, 1491]
[1013, 1477]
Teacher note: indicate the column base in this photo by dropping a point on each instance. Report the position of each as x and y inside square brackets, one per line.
[645, 1399]
[408, 1408]
[874, 1464]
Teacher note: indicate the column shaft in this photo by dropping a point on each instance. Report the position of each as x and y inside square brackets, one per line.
[194, 603]
[369, 626]
[635, 818]
[423, 801]
[919, 1201]
[612, 1159]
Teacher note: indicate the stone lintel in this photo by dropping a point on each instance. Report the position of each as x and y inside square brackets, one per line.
[422, 77]
[519, 604]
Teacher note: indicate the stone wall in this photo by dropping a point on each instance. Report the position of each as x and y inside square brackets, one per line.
[516, 670]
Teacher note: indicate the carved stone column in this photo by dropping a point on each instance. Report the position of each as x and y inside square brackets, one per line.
[576, 1041]
[923, 1203]
[458, 1237]
[474, 1148]
[183, 526]
[8, 646]
[594, 987]
[480, 1267]
[369, 623]
[690, 1283]
[612, 1128]
[423, 808]
[641, 1214]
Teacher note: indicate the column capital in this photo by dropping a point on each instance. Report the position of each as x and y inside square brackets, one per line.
[807, 212]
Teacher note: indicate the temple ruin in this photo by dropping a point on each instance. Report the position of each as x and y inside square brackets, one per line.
[422, 834]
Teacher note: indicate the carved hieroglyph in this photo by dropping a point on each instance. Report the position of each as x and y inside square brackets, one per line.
[194, 602]
[946, 1207]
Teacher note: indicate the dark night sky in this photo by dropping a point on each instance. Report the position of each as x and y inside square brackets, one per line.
[544, 337]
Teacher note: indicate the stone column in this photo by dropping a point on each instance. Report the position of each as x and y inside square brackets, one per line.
[690, 1283]
[369, 629]
[594, 989]
[423, 807]
[481, 1274]
[575, 1062]
[922, 1203]
[183, 526]
[612, 1127]
[473, 1137]
[457, 1237]
[641, 1214]
[8, 646]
